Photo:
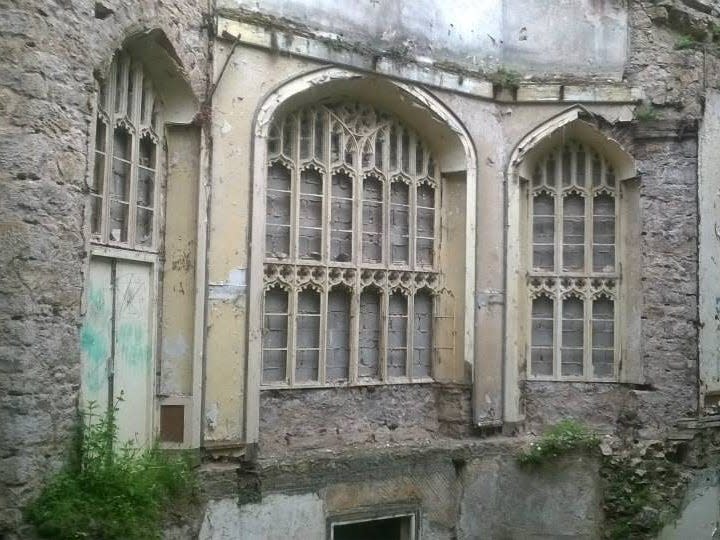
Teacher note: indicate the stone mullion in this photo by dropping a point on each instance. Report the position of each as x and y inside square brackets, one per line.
[109, 150]
[294, 187]
[322, 339]
[134, 117]
[385, 321]
[412, 201]
[353, 368]
[292, 332]
[587, 331]
[327, 187]
[410, 333]
[557, 330]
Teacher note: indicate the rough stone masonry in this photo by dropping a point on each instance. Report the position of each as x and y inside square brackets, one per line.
[51, 55]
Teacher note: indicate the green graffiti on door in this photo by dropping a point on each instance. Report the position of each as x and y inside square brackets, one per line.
[96, 351]
[133, 346]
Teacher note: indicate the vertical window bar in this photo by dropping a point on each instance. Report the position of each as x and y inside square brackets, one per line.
[308, 336]
[542, 325]
[603, 337]
[573, 341]
[275, 336]
[397, 336]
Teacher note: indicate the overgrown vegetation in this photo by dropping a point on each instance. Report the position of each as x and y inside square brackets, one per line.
[640, 494]
[109, 491]
[505, 78]
[646, 113]
[564, 437]
[686, 41]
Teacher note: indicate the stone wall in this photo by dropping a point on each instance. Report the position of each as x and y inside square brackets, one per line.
[50, 51]
[460, 491]
[336, 418]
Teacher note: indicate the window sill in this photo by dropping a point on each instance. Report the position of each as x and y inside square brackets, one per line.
[345, 384]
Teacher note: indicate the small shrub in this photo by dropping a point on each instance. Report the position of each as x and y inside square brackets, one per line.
[685, 42]
[504, 78]
[562, 438]
[646, 113]
[108, 492]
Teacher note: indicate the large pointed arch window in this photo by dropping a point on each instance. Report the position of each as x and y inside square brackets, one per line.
[574, 265]
[351, 249]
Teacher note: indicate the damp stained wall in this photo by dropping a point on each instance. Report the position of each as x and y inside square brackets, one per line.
[586, 37]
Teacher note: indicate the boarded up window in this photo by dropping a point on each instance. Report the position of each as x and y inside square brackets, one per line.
[275, 335]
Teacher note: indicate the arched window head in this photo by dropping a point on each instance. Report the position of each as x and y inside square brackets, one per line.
[352, 229]
[124, 188]
[573, 264]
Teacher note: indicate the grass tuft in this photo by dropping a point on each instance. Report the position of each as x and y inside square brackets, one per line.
[566, 436]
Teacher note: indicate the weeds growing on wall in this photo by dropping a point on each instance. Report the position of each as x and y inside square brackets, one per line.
[646, 113]
[641, 493]
[564, 437]
[108, 491]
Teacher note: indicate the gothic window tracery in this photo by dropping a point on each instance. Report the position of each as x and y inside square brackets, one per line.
[574, 271]
[352, 224]
[124, 184]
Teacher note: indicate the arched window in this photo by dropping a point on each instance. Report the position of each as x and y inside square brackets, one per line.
[351, 242]
[124, 183]
[573, 274]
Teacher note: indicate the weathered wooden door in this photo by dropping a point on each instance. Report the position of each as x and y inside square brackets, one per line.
[116, 339]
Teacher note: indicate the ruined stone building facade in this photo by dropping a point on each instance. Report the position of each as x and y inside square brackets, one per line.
[354, 253]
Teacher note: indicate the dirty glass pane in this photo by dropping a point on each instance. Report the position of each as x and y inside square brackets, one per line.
[542, 332]
[369, 338]
[544, 232]
[288, 137]
[399, 222]
[98, 174]
[341, 218]
[274, 365]
[145, 187]
[307, 338]
[277, 231]
[338, 335]
[603, 337]
[95, 214]
[566, 167]
[275, 328]
[405, 152]
[423, 336]
[372, 215]
[397, 335]
[319, 135]
[305, 134]
[118, 225]
[604, 233]
[573, 233]
[572, 337]
[580, 167]
[144, 227]
[310, 215]
[147, 153]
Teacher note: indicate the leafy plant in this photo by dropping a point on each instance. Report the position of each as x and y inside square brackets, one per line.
[107, 491]
[566, 436]
[646, 113]
[505, 78]
[640, 496]
[685, 42]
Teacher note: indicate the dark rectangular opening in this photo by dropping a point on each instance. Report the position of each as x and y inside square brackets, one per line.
[172, 423]
[392, 528]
